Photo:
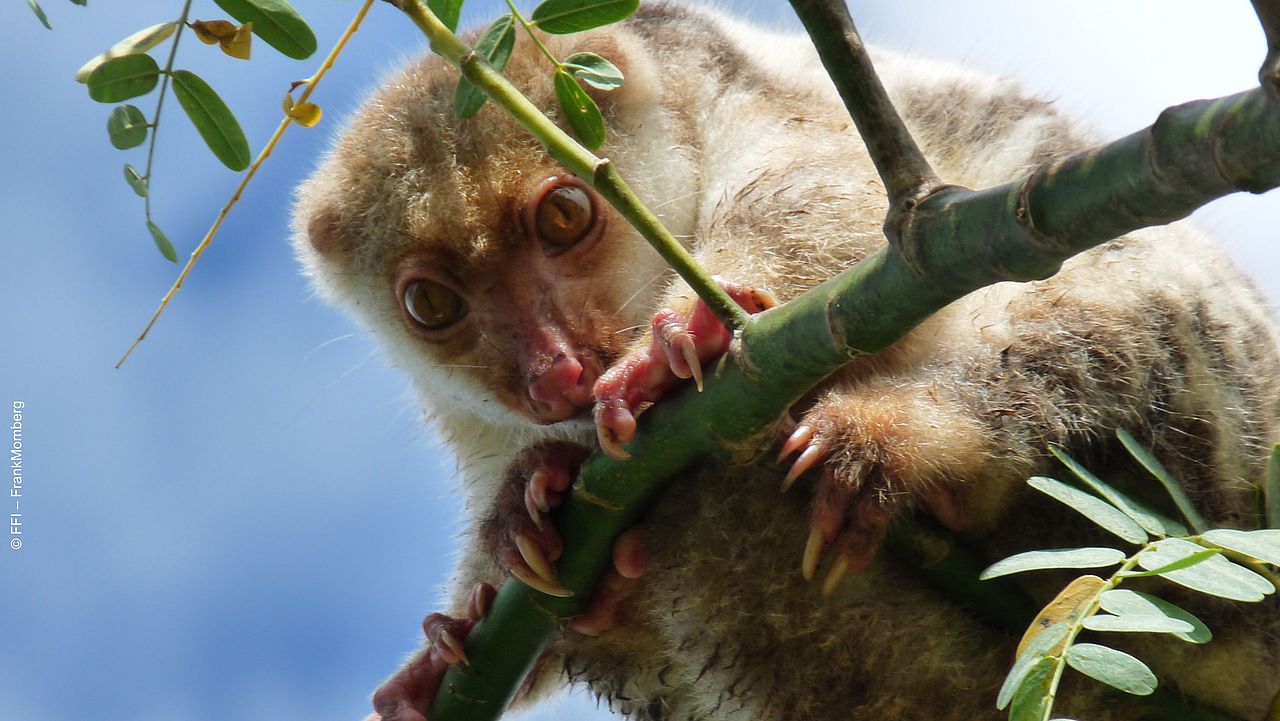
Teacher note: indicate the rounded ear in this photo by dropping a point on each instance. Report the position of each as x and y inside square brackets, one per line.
[324, 232]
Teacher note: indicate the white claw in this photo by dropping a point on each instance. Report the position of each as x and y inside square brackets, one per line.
[533, 556]
[535, 582]
[690, 354]
[838, 571]
[812, 554]
[454, 645]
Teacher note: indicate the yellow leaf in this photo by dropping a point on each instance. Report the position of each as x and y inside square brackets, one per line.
[1076, 595]
[286, 104]
[213, 32]
[306, 114]
[239, 45]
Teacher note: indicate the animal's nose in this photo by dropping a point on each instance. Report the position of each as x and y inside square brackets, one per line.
[563, 388]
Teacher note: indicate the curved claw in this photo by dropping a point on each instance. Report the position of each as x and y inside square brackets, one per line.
[812, 553]
[531, 507]
[481, 598]
[800, 436]
[615, 425]
[690, 353]
[838, 571]
[810, 456]
[536, 560]
[539, 483]
[454, 647]
[537, 583]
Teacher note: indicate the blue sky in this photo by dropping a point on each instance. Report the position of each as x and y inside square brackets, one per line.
[247, 520]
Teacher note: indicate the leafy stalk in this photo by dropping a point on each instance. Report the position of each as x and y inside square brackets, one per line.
[967, 239]
[267, 149]
[165, 74]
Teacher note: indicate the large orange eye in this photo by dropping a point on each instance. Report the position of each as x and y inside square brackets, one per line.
[435, 306]
[564, 216]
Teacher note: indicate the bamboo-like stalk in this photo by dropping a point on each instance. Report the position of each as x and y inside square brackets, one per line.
[964, 239]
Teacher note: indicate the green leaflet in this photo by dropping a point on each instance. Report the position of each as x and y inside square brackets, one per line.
[1112, 667]
[447, 11]
[135, 180]
[594, 71]
[582, 112]
[39, 11]
[139, 42]
[495, 45]
[1211, 573]
[1095, 509]
[1124, 602]
[276, 22]
[122, 78]
[1263, 545]
[1151, 521]
[559, 17]
[1036, 652]
[212, 118]
[162, 242]
[1064, 558]
[127, 127]
[1137, 624]
[1171, 485]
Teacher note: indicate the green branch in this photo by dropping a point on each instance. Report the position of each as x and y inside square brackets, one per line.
[965, 240]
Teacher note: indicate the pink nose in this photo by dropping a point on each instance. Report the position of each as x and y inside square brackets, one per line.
[560, 390]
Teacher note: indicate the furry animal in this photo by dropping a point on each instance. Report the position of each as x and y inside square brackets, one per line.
[517, 302]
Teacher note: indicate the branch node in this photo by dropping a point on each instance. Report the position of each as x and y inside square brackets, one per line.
[900, 227]
[1269, 75]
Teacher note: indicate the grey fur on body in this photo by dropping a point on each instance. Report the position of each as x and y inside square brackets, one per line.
[738, 142]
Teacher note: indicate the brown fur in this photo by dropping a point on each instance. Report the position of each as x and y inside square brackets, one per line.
[762, 175]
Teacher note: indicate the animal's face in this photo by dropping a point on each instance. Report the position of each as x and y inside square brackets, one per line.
[502, 284]
[530, 301]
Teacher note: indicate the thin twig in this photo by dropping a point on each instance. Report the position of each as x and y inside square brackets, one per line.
[906, 173]
[164, 90]
[244, 182]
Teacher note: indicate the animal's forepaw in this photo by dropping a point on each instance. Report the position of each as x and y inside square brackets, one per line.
[868, 468]
[681, 344]
[525, 541]
[407, 694]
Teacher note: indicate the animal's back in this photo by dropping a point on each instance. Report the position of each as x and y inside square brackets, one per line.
[1156, 332]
